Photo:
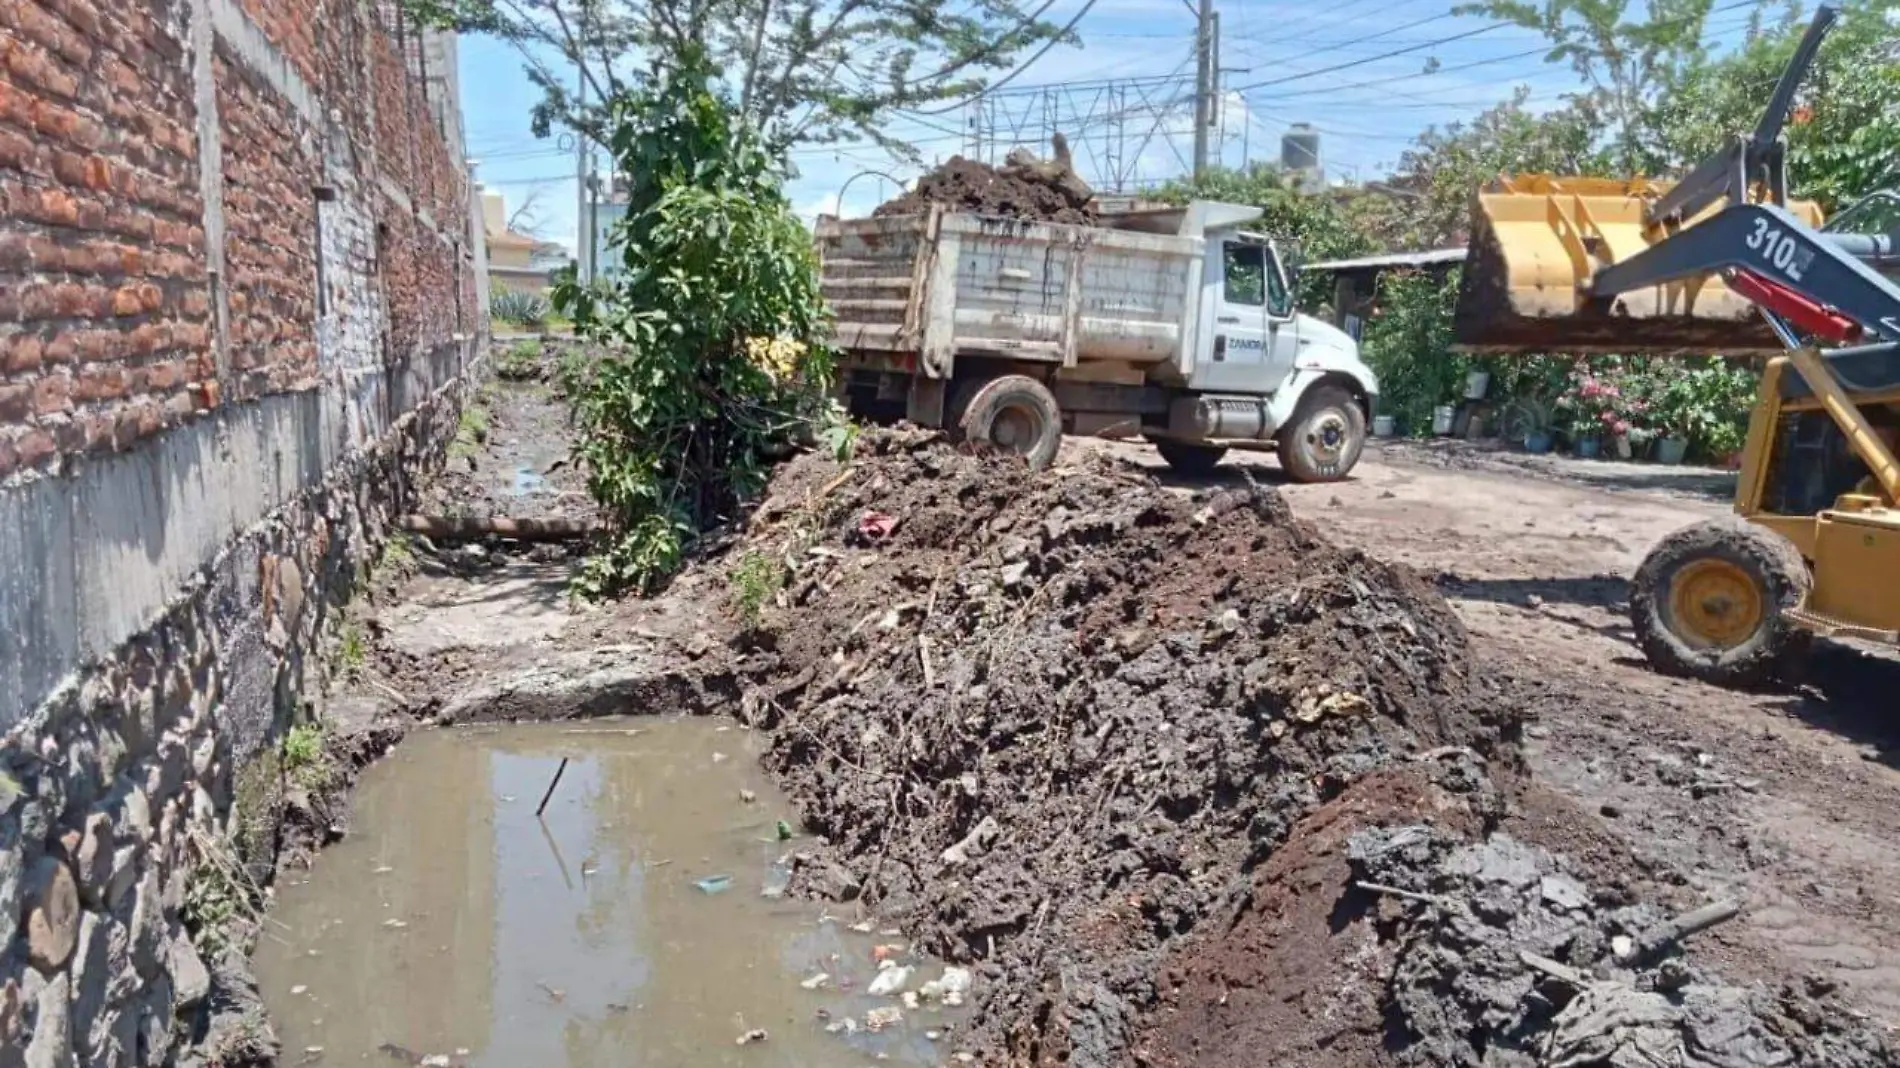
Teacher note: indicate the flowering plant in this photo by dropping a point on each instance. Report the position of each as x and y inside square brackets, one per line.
[1599, 401]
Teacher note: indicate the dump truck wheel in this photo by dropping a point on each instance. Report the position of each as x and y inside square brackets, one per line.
[1016, 414]
[1188, 458]
[1325, 438]
[1711, 602]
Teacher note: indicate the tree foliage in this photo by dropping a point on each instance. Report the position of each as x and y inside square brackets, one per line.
[1844, 139]
[1407, 343]
[713, 331]
[1427, 201]
[1623, 60]
[798, 70]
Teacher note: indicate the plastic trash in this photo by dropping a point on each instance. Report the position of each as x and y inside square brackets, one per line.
[888, 982]
[816, 981]
[880, 1018]
[777, 878]
[714, 884]
[784, 831]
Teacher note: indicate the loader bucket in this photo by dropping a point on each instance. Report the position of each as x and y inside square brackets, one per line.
[1535, 242]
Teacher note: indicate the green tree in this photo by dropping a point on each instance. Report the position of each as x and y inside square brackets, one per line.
[1407, 343]
[798, 70]
[1844, 140]
[1313, 224]
[713, 332]
[1623, 60]
[1427, 201]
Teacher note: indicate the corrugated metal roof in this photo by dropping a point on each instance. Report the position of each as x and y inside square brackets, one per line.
[1396, 259]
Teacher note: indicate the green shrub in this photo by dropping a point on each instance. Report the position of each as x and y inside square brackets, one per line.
[1407, 343]
[711, 334]
[515, 306]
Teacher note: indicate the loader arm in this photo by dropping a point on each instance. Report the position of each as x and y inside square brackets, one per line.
[1768, 240]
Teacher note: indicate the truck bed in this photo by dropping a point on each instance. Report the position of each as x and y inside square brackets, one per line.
[943, 285]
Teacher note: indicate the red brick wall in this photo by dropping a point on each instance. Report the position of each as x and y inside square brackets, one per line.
[108, 311]
[104, 321]
[270, 224]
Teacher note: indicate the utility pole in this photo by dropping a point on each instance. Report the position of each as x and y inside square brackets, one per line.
[1203, 82]
[584, 231]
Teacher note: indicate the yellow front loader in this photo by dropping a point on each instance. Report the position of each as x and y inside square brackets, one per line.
[1722, 262]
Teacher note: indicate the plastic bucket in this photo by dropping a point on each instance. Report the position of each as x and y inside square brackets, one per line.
[1442, 418]
[1672, 450]
[1476, 384]
[1384, 426]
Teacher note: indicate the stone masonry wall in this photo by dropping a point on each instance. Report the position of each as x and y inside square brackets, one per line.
[237, 316]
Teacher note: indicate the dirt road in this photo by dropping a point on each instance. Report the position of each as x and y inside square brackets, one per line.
[1789, 802]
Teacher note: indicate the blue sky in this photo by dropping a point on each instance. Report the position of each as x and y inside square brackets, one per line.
[1366, 111]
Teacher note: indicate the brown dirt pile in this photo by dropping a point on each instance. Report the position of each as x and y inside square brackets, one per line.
[1017, 191]
[1050, 721]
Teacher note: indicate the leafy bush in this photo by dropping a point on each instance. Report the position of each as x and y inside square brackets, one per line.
[1407, 343]
[712, 332]
[1708, 404]
[516, 306]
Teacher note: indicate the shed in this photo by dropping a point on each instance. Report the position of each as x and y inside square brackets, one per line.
[1356, 281]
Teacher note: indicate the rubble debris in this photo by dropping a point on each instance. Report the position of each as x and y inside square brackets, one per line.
[757, 1034]
[1047, 792]
[713, 884]
[1025, 187]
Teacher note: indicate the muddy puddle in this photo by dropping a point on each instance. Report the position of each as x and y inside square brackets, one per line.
[637, 922]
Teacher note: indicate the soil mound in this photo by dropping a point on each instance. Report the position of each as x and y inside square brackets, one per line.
[1050, 721]
[1388, 932]
[1025, 189]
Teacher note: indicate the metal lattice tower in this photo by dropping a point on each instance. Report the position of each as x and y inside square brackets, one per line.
[1110, 125]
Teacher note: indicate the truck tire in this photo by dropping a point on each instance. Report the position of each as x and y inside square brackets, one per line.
[1325, 438]
[1711, 602]
[1015, 414]
[1188, 458]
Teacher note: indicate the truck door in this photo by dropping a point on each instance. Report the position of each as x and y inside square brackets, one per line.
[1246, 353]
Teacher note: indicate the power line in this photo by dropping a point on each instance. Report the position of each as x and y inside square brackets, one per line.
[985, 53]
[1372, 59]
[1302, 75]
[1011, 76]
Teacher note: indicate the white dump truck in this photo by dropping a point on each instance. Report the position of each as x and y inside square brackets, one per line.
[1172, 324]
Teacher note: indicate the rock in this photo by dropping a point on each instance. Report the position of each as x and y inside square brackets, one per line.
[52, 1045]
[147, 926]
[125, 872]
[104, 1025]
[12, 1012]
[191, 983]
[1565, 893]
[52, 919]
[155, 1022]
[12, 883]
[92, 859]
[134, 811]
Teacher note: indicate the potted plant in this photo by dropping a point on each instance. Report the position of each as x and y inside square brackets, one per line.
[1531, 421]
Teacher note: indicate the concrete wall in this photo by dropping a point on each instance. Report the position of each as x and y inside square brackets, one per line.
[238, 301]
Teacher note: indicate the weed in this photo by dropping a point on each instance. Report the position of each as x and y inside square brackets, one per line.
[221, 900]
[520, 363]
[307, 758]
[756, 580]
[399, 554]
[471, 431]
[353, 654]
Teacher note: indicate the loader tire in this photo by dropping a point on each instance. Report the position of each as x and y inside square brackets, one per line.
[1323, 441]
[1189, 458]
[1013, 414]
[1711, 602]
